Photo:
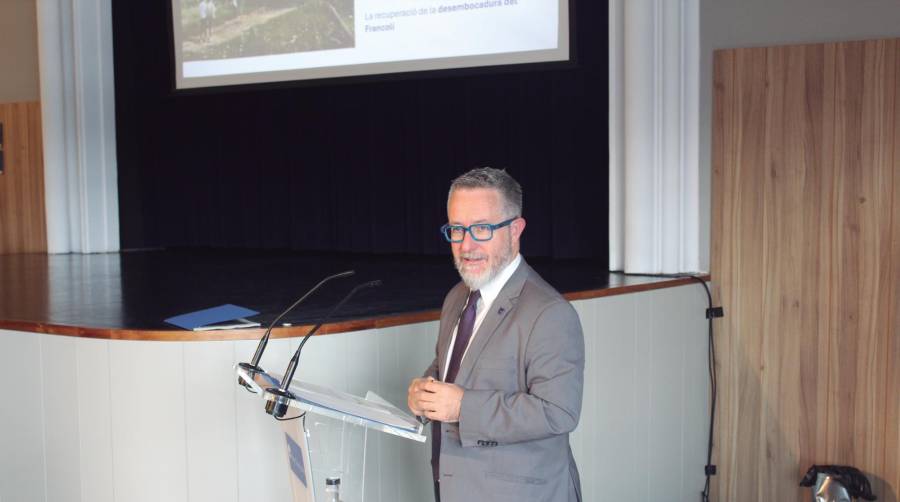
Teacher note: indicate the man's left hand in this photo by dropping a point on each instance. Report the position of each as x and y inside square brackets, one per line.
[441, 401]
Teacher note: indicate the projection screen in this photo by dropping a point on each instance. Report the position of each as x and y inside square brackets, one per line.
[233, 42]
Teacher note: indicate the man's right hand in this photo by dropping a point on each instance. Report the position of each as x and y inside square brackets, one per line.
[414, 395]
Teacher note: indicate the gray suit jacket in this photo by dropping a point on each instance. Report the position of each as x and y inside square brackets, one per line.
[523, 376]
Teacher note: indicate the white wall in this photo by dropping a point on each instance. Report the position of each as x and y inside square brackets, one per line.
[748, 23]
[641, 437]
[103, 421]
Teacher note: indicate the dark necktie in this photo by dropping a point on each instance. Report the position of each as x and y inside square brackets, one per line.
[463, 334]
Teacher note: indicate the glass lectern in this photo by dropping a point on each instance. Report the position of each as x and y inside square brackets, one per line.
[325, 436]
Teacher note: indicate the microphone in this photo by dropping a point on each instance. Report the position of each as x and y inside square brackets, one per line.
[252, 368]
[278, 406]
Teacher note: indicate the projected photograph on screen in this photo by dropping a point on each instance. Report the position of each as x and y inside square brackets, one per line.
[230, 42]
[242, 28]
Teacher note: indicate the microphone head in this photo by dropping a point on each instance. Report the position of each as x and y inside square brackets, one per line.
[372, 284]
[346, 273]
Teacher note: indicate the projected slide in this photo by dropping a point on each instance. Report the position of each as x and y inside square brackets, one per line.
[227, 42]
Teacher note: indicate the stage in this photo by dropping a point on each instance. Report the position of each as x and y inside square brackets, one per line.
[127, 406]
[128, 295]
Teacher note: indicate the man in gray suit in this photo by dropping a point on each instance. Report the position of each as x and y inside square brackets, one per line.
[505, 387]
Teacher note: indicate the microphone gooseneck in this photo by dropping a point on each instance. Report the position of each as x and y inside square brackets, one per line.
[278, 406]
[252, 368]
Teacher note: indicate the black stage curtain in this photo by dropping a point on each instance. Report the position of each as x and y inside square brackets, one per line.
[358, 167]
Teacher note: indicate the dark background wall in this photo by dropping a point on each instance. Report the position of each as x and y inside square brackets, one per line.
[359, 167]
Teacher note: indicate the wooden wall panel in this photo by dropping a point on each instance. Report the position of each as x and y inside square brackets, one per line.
[892, 395]
[806, 252]
[22, 219]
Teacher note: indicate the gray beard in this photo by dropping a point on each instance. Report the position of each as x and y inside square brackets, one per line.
[475, 282]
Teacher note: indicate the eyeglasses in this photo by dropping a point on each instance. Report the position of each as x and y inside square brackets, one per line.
[479, 231]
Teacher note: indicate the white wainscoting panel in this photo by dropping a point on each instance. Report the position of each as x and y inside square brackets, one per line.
[666, 374]
[62, 451]
[124, 421]
[147, 387]
[210, 422]
[22, 474]
[607, 425]
[689, 359]
[405, 469]
[642, 433]
[262, 468]
[95, 421]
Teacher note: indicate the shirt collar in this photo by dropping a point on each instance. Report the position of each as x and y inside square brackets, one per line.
[490, 290]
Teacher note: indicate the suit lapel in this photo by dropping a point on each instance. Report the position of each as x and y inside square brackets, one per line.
[502, 306]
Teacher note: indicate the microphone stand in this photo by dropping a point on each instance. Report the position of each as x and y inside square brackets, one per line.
[252, 368]
[278, 406]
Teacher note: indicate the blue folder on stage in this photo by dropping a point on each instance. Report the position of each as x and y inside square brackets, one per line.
[226, 316]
